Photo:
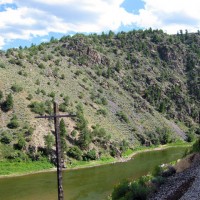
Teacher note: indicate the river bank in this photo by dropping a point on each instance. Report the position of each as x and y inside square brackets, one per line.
[32, 168]
[87, 183]
[184, 184]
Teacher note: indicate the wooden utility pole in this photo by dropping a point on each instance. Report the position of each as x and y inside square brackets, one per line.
[56, 117]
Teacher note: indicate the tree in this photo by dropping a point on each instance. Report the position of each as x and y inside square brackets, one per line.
[63, 131]
[84, 138]
[49, 142]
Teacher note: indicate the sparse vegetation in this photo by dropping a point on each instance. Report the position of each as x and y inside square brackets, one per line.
[143, 79]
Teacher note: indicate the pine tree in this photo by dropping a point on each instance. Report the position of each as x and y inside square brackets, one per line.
[63, 131]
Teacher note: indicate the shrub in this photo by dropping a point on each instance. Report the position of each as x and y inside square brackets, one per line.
[2, 65]
[16, 88]
[122, 116]
[52, 94]
[124, 145]
[5, 138]
[13, 123]
[49, 141]
[102, 112]
[157, 171]
[74, 133]
[90, 155]
[66, 100]
[48, 107]
[43, 92]
[98, 131]
[62, 107]
[138, 191]
[190, 136]
[196, 146]
[75, 152]
[37, 107]
[37, 82]
[41, 66]
[62, 76]
[21, 144]
[8, 104]
[120, 190]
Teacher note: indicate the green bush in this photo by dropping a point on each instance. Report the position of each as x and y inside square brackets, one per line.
[49, 141]
[75, 152]
[8, 104]
[138, 191]
[62, 107]
[85, 138]
[66, 100]
[190, 135]
[5, 138]
[13, 123]
[37, 107]
[16, 88]
[21, 144]
[90, 155]
[41, 66]
[196, 146]
[74, 133]
[157, 171]
[2, 65]
[102, 112]
[29, 97]
[52, 94]
[122, 116]
[120, 190]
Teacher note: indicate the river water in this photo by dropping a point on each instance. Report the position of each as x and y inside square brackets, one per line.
[94, 183]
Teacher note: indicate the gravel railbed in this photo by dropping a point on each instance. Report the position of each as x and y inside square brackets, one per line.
[181, 186]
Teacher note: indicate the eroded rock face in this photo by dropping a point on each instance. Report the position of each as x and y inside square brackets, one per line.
[94, 55]
[84, 50]
[166, 53]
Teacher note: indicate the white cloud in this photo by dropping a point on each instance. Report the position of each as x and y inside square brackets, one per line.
[170, 16]
[40, 17]
[5, 1]
[34, 18]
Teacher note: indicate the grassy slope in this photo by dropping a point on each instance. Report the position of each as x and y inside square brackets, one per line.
[143, 116]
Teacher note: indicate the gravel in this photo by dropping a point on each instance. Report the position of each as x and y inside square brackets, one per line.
[181, 186]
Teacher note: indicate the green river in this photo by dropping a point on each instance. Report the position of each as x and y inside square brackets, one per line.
[94, 183]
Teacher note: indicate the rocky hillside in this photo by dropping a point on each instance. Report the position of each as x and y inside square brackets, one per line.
[140, 87]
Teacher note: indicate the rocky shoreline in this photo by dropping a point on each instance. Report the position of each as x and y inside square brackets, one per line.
[184, 184]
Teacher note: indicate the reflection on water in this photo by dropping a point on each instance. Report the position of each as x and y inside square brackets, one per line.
[85, 184]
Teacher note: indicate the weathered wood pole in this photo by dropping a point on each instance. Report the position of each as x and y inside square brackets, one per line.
[58, 153]
[56, 117]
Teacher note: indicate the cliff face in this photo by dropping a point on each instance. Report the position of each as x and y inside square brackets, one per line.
[141, 86]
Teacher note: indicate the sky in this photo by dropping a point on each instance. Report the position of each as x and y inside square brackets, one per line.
[26, 22]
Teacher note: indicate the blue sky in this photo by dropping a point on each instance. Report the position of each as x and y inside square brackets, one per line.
[23, 22]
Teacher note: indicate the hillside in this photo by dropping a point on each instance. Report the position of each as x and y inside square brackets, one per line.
[140, 87]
